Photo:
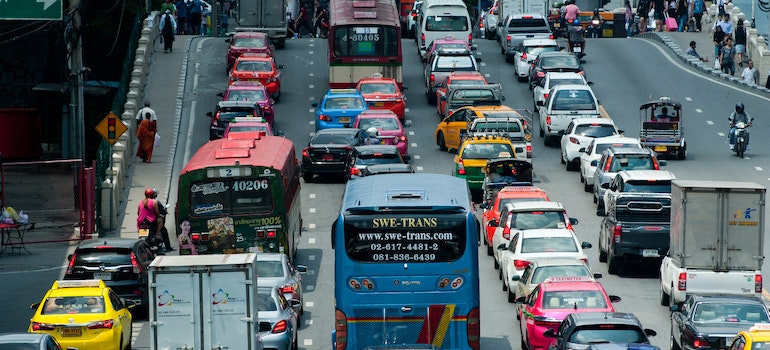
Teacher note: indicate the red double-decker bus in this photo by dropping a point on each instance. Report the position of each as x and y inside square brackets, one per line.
[364, 38]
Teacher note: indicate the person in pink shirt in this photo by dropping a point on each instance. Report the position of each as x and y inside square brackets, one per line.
[571, 11]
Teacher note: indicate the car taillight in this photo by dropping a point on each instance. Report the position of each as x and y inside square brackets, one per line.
[524, 56]
[104, 324]
[574, 140]
[215, 120]
[432, 79]
[529, 149]
[402, 138]
[341, 329]
[607, 164]
[546, 322]
[36, 326]
[655, 164]
[280, 327]
[470, 39]
[545, 96]
[508, 38]
[682, 283]
[71, 265]
[460, 167]
[757, 283]
[305, 152]
[473, 328]
[550, 36]
[700, 342]
[481, 23]
[325, 118]
[548, 120]
[617, 233]
[520, 264]
[287, 289]
[422, 39]
[135, 264]
[355, 171]
[507, 233]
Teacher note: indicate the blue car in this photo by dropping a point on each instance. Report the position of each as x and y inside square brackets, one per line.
[338, 109]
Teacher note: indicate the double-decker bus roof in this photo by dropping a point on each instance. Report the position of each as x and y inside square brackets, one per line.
[363, 12]
[268, 151]
[407, 190]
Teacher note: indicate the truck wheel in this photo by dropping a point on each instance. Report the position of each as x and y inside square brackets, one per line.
[505, 286]
[508, 58]
[682, 153]
[441, 142]
[613, 263]
[664, 298]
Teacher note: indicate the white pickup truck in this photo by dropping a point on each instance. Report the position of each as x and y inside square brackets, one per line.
[716, 244]
[514, 128]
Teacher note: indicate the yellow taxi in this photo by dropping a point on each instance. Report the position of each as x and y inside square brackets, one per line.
[756, 338]
[449, 131]
[84, 314]
[472, 156]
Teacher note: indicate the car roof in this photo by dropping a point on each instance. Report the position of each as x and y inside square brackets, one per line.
[337, 131]
[255, 56]
[629, 150]
[615, 139]
[583, 121]
[24, 338]
[571, 87]
[589, 318]
[571, 284]
[236, 103]
[554, 261]
[547, 232]
[343, 93]
[246, 85]
[646, 175]
[539, 42]
[534, 205]
[725, 298]
[271, 257]
[563, 75]
[389, 168]
[376, 80]
[378, 113]
[556, 53]
[127, 243]
[371, 149]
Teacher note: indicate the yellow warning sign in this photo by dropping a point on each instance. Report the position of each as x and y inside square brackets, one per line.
[111, 127]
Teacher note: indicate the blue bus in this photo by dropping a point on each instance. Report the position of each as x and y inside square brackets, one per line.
[406, 264]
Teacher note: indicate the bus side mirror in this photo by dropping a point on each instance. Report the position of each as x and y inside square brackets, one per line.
[334, 232]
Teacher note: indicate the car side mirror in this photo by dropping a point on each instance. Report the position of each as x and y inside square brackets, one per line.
[474, 48]
[599, 101]
[540, 103]
[573, 221]
[220, 94]
[227, 40]
[34, 306]
[662, 162]
[582, 150]
[650, 332]
[586, 245]
[590, 82]
[605, 185]
[301, 269]
[492, 223]
[69, 257]
[548, 333]
[597, 275]
[614, 298]
[594, 163]
[404, 88]
[515, 278]
[210, 115]
[502, 246]
[278, 133]
[314, 104]
[621, 131]
[295, 303]
[560, 133]
[673, 308]
[485, 206]
[280, 66]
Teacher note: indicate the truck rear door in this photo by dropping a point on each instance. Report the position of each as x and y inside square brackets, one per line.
[744, 231]
[701, 230]
[228, 303]
[173, 306]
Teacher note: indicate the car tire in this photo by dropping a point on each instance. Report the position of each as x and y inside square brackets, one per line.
[295, 346]
[511, 296]
[673, 345]
[682, 152]
[600, 207]
[542, 132]
[561, 158]
[613, 263]
[602, 255]
[490, 252]
[546, 140]
[441, 142]
[523, 343]
[505, 286]
[595, 199]
[664, 298]
[571, 166]
[307, 176]
[587, 187]
[508, 58]
[582, 179]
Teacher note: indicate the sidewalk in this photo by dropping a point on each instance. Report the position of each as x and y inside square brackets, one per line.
[164, 89]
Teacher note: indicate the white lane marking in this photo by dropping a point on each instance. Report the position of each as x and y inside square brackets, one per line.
[721, 134]
[311, 196]
[312, 110]
[416, 156]
[413, 144]
[688, 99]
[311, 134]
[699, 110]
[308, 342]
[312, 210]
[486, 75]
[482, 64]
[411, 133]
[311, 86]
[311, 240]
[309, 304]
[758, 168]
[312, 74]
[35, 270]
[310, 52]
[188, 143]
[419, 168]
[308, 322]
[406, 110]
[709, 122]
[310, 98]
[311, 226]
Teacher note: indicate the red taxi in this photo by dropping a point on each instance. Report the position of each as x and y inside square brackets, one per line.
[459, 78]
[390, 131]
[251, 91]
[242, 42]
[508, 194]
[258, 67]
[551, 301]
[447, 42]
[248, 124]
[383, 93]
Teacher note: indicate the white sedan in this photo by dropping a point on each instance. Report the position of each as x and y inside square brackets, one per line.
[540, 91]
[533, 244]
[527, 52]
[579, 133]
[593, 152]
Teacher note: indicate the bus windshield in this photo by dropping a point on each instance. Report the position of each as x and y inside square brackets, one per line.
[405, 238]
[230, 197]
[365, 41]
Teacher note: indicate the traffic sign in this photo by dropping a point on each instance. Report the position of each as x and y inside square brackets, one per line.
[31, 9]
[111, 127]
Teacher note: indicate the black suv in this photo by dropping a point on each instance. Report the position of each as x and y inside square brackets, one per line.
[120, 262]
[329, 152]
[555, 61]
[227, 111]
[364, 156]
[580, 330]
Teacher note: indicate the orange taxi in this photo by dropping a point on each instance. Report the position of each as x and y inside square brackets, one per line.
[258, 67]
[383, 93]
[460, 78]
[242, 42]
[508, 194]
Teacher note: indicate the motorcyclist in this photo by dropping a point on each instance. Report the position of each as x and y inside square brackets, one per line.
[595, 28]
[738, 116]
[372, 139]
[576, 35]
[151, 215]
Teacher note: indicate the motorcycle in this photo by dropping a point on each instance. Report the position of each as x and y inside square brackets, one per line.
[578, 48]
[741, 138]
[154, 235]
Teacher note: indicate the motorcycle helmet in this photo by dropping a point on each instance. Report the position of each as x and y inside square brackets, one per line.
[150, 193]
[739, 108]
[576, 22]
[372, 132]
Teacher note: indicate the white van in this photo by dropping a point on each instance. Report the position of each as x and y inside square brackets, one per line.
[441, 18]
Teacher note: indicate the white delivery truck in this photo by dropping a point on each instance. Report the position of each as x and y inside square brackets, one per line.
[204, 302]
[716, 240]
[515, 7]
[266, 16]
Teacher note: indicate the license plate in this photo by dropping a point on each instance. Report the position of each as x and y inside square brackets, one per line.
[379, 104]
[577, 49]
[650, 253]
[344, 120]
[661, 148]
[71, 331]
[144, 232]
[104, 276]
[327, 157]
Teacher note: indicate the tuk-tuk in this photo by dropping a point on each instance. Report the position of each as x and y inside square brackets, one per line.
[662, 128]
[502, 172]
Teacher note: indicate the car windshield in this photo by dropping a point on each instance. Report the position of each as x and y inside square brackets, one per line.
[505, 201]
[565, 61]
[555, 82]
[571, 100]
[648, 186]
[466, 82]
[631, 162]
[536, 50]
[102, 257]
[378, 88]
[73, 305]
[246, 95]
[730, 312]
[249, 42]
[332, 139]
[487, 151]
[538, 219]
[574, 299]
[607, 334]
[379, 123]
[265, 302]
[595, 130]
[548, 244]
[269, 269]
[543, 272]
[230, 113]
[254, 66]
[446, 23]
[378, 158]
[239, 128]
[497, 126]
[344, 103]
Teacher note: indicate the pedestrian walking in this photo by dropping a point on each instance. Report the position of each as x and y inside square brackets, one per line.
[167, 29]
[146, 109]
[195, 15]
[629, 17]
[319, 13]
[660, 9]
[145, 134]
[181, 17]
[718, 38]
[750, 74]
[682, 14]
[643, 11]
[302, 22]
[740, 42]
[698, 7]
[727, 56]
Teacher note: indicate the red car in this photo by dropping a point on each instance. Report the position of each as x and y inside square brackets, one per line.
[248, 124]
[251, 91]
[447, 42]
[461, 78]
[508, 194]
[390, 131]
[383, 93]
[551, 301]
[243, 42]
[258, 67]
